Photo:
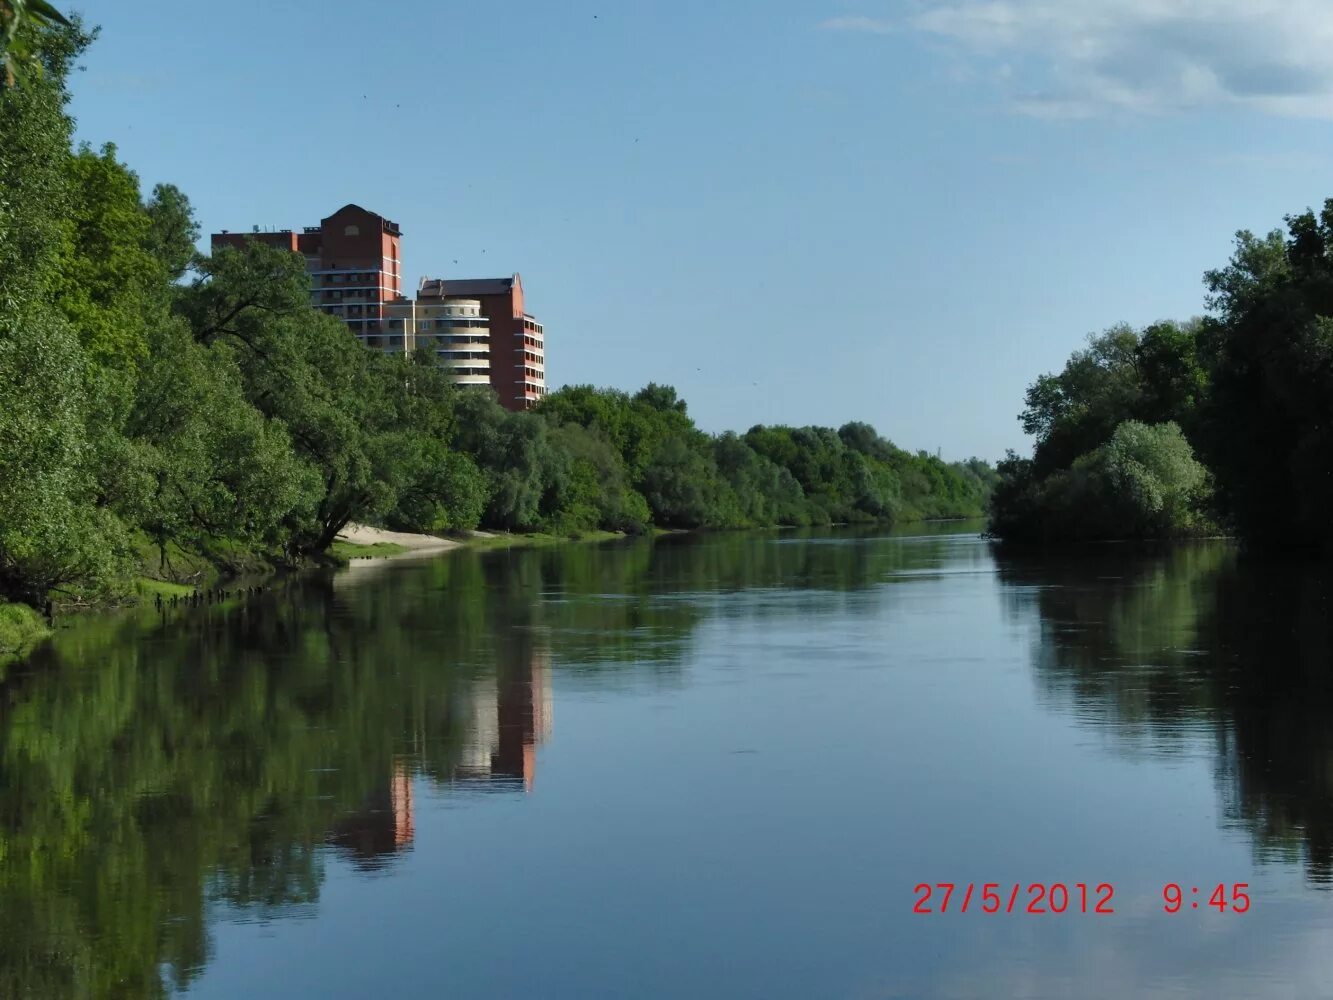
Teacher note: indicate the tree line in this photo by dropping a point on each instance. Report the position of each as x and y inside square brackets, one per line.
[1220, 424]
[159, 404]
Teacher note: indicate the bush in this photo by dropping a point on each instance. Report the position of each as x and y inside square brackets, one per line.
[1143, 483]
[21, 628]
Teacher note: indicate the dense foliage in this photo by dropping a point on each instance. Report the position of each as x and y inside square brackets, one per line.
[19, 21]
[158, 404]
[1249, 387]
[770, 475]
[1267, 433]
[1142, 483]
[1112, 456]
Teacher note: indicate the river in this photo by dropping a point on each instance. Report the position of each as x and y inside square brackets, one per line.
[691, 766]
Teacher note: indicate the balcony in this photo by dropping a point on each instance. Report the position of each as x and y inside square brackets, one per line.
[463, 361]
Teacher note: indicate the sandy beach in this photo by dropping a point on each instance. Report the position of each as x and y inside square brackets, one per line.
[361, 534]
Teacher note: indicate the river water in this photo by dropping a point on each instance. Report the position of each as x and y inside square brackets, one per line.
[713, 766]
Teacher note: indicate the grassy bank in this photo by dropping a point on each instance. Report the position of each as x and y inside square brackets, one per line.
[510, 540]
[344, 552]
[21, 628]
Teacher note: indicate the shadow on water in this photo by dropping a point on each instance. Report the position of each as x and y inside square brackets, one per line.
[1194, 644]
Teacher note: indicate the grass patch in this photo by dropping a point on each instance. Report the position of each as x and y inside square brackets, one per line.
[347, 551]
[510, 540]
[21, 628]
[180, 565]
[147, 587]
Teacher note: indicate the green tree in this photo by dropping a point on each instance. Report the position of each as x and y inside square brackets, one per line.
[1267, 426]
[53, 529]
[173, 230]
[216, 468]
[21, 23]
[1143, 483]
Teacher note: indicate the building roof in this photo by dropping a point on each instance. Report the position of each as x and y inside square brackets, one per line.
[354, 209]
[464, 287]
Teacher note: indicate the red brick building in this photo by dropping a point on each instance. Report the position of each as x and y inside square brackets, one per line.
[477, 327]
[517, 340]
[353, 260]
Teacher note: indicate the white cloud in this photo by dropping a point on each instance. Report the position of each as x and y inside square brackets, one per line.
[1086, 57]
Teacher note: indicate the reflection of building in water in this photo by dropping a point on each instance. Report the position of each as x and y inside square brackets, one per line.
[383, 826]
[506, 716]
[510, 716]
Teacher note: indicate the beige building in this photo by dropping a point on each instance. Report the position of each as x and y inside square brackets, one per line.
[478, 330]
[452, 329]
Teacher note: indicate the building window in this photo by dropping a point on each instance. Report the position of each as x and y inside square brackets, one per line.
[352, 231]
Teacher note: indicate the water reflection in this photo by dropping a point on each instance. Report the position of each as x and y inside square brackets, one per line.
[510, 717]
[151, 768]
[224, 762]
[382, 827]
[1192, 644]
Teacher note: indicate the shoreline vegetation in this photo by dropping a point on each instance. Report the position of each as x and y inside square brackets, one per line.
[172, 420]
[1219, 425]
[23, 628]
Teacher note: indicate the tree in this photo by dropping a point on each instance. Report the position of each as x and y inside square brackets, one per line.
[53, 529]
[1172, 380]
[216, 468]
[360, 420]
[680, 486]
[451, 495]
[173, 230]
[20, 22]
[1143, 483]
[595, 490]
[1266, 430]
[1075, 411]
[513, 451]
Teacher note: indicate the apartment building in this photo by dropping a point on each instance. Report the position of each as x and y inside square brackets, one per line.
[353, 257]
[517, 342]
[477, 327]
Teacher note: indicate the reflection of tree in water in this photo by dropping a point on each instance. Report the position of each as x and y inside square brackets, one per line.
[1118, 632]
[143, 776]
[151, 770]
[1275, 643]
[1190, 641]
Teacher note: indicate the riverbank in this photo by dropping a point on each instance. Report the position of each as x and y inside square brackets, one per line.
[361, 541]
[21, 629]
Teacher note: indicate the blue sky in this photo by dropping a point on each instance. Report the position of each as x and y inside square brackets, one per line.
[795, 211]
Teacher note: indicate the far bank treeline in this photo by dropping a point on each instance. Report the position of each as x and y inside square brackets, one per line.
[155, 404]
[1223, 423]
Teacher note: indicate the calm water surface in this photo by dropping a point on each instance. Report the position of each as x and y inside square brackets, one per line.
[689, 767]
